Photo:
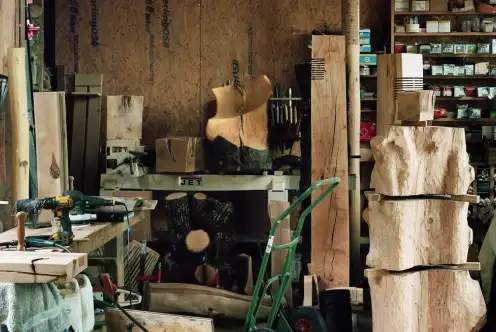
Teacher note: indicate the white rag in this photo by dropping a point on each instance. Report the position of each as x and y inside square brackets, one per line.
[32, 308]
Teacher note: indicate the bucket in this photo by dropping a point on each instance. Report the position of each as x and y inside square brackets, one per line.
[71, 303]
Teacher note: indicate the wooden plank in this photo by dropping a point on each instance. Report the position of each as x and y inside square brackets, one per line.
[116, 321]
[17, 266]
[92, 144]
[124, 117]
[20, 123]
[330, 227]
[282, 236]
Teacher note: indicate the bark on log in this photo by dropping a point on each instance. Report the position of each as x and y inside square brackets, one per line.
[431, 300]
[406, 233]
[421, 161]
[212, 215]
[178, 215]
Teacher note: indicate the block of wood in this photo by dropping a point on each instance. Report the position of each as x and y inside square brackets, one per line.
[421, 161]
[416, 105]
[429, 300]
[27, 267]
[408, 232]
[124, 117]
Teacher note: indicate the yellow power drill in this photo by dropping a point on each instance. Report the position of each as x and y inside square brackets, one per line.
[71, 202]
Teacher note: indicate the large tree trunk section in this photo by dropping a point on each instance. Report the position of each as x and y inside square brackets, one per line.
[421, 161]
[199, 300]
[423, 301]
[212, 215]
[238, 132]
[407, 233]
[329, 158]
[206, 275]
[197, 241]
[178, 215]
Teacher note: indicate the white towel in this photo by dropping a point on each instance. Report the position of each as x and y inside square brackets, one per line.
[32, 308]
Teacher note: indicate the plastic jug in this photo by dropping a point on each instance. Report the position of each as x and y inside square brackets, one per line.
[88, 309]
[71, 302]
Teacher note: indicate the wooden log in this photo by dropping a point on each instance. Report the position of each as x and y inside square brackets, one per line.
[124, 117]
[20, 122]
[212, 215]
[197, 241]
[431, 300]
[206, 275]
[199, 300]
[405, 156]
[177, 214]
[408, 232]
[116, 321]
[329, 158]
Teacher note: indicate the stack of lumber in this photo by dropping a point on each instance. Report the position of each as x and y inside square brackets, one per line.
[419, 234]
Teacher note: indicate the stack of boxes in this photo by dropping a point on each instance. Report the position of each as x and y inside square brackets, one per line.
[365, 48]
[414, 5]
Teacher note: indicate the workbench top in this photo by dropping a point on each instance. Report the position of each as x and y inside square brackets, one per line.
[87, 238]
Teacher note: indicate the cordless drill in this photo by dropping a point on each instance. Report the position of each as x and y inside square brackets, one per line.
[71, 201]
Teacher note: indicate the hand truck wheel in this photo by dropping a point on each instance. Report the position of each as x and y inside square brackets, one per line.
[307, 319]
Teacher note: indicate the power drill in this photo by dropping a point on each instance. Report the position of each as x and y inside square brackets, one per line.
[71, 201]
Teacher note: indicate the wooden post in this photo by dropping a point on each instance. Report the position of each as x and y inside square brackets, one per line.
[330, 227]
[20, 123]
[351, 27]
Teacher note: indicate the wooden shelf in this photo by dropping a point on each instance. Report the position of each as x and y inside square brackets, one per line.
[462, 98]
[465, 122]
[445, 34]
[443, 13]
[451, 77]
[427, 55]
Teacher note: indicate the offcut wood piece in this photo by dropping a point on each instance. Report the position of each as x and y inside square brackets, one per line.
[51, 146]
[86, 132]
[239, 128]
[282, 236]
[133, 264]
[330, 231]
[408, 232]
[116, 321]
[421, 161]
[143, 230]
[124, 117]
[430, 300]
[26, 267]
[395, 72]
[416, 105]
[20, 123]
[199, 300]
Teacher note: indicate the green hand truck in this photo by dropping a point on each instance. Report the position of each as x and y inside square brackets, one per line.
[285, 276]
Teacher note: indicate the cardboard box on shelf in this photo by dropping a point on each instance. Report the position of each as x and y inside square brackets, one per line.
[402, 6]
[364, 36]
[179, 154]
[365, 48]
[420, 6]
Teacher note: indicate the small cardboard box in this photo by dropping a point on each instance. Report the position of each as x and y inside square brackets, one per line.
[418, 6]
[179, 154]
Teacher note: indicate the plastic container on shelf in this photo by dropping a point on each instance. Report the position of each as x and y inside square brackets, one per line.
[87, 307]
[71, 302]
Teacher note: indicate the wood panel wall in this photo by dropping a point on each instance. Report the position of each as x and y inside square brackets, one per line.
[174, 51]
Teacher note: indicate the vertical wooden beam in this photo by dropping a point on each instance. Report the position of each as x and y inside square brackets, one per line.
[330, 228]
[20, 123]
[351, 28]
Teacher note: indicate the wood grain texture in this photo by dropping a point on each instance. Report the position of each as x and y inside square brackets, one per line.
[124, 117]
[434, 300]
[330, 228]
[407, 233]
[203, 39]
[404, 159]
[116, 321]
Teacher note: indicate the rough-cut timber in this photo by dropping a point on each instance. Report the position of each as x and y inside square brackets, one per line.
[408, 232]
[177, 215]
[421, 161]
[211, 215]
[426, 301]
[330, 225]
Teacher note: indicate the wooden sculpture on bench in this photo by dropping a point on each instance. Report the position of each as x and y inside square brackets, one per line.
[238, 131]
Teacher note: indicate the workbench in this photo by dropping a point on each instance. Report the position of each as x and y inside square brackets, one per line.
[88, 238]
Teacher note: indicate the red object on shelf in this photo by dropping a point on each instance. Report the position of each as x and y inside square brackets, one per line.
[470, 91]
[367, 131]
[440, 113]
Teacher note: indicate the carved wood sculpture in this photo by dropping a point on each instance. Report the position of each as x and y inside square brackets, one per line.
[409, 232]
[238, 131]
[422, 301]
[421, 161]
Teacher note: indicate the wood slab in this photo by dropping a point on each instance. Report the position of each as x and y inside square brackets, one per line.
[421, 161]
[124, 117]
[199, 300]
[26, 267]
[424, 301]
[116, 321]
[330, 221]
[408, 232]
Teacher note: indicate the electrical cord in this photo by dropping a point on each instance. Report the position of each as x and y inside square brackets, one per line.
[128, 242]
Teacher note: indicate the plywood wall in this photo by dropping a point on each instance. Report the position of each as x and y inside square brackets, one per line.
[174, 51]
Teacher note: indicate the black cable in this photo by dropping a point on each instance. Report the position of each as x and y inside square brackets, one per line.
[128, 243]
